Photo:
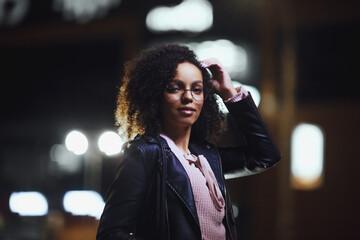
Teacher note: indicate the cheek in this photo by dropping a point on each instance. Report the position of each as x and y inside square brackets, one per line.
[166, 108]
[199, 106]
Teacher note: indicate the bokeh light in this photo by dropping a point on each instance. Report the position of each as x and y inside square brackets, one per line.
[28, 203]
[188, 16]
[83, 11]
[84, 203]
[307, 155]
[233, 57]
[110, 143]
[76, 142]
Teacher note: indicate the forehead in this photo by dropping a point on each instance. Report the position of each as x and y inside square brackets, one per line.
[188, 72]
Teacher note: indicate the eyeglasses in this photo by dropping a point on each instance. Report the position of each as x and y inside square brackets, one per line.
[175, 92]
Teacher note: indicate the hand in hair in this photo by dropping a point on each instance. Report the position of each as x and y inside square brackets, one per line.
[221, 80]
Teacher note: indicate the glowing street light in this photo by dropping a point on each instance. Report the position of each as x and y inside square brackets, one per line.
[76, 142]
[110, 143]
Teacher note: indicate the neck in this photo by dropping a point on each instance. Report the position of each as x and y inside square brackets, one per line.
[180, 136]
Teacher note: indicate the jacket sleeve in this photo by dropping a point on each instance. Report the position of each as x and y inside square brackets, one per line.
[259, 152]
[126, 198]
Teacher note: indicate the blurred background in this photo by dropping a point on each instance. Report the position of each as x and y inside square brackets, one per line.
[61, 62]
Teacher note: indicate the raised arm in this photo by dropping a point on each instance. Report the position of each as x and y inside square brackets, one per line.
[260, 152]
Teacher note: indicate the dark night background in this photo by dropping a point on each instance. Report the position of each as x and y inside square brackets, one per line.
[59, 75]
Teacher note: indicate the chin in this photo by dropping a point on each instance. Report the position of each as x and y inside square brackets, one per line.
[187, 123]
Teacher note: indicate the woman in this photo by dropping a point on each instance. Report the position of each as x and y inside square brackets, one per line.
[170, 182]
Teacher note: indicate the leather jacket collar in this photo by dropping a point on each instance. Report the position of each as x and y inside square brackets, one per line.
[177, 179]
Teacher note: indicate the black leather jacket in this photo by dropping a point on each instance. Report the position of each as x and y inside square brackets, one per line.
[142, 205]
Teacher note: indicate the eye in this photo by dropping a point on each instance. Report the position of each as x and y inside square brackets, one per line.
[172, 89]
[197, 90]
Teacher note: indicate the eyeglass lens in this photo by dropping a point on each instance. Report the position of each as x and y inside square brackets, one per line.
[175, 92]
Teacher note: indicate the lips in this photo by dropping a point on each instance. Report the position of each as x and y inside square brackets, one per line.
[187, 111]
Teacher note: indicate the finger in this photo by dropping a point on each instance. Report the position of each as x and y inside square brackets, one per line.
[210, 62]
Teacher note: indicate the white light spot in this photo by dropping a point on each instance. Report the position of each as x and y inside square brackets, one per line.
[188, 16]
[84, 203]
[307, 153]
[110, 143]
[76, 142]
[28, 203]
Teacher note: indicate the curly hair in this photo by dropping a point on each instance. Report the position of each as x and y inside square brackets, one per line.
[141, 92]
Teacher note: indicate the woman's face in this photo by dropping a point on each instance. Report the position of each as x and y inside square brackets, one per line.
[183, 98]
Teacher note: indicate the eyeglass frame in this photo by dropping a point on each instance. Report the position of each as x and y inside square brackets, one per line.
[183, 90]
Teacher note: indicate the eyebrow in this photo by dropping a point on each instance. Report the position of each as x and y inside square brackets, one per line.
[177, 81]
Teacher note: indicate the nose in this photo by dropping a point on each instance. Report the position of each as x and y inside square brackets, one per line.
[186, 96]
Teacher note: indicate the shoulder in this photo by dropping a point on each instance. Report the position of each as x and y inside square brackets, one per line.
[147, 146]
